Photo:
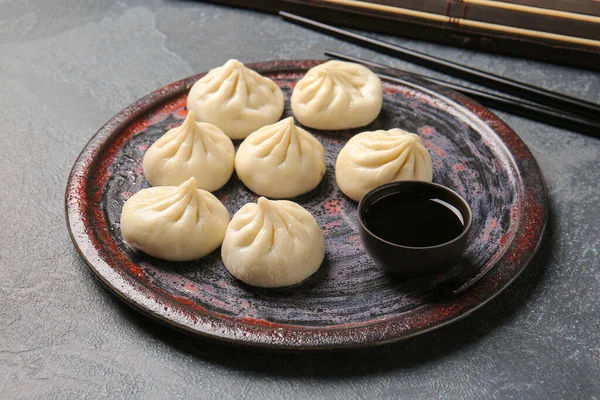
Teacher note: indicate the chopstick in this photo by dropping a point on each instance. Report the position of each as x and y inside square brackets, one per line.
[469, 23]
[536, 10]
[493, 81]
[514, 106]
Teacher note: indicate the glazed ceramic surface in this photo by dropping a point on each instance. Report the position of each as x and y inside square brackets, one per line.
[349, 301]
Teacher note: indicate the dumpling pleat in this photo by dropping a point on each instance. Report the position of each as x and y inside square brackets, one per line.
[324, 97]
[311, 88]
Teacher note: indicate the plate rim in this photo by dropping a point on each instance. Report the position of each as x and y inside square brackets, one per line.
[303, 338]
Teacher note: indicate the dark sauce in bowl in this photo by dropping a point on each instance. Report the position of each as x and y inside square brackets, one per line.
[414, 220]
[413, 228]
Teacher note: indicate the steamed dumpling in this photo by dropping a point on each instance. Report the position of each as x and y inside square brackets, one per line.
[337, 95]
[273, 244]
[175, 223]
[371, 159]
[194, 149]
[280, 160]
[236, 99]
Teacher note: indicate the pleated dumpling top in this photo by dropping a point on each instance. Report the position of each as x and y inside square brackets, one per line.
[194, 149]
[175, 223]
[337, 95]
[273, 243]
[280, 160]
[370, 159]
[236, 99]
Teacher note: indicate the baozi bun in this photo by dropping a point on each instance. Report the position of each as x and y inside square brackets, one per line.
[236, 99]
[370, 159]
[273, 244]
[175, 223]
[280, 160]
[337, 95]
[194, 149]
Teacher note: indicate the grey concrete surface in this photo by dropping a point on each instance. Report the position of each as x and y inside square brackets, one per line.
[67, 66]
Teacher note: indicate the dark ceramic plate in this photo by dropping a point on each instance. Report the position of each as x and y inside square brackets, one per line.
[349, 301]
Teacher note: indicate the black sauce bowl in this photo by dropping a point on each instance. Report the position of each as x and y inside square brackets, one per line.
[413, 261]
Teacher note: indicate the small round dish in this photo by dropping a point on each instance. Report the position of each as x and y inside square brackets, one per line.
[411, 260]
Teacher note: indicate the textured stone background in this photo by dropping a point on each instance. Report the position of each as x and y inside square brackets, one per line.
[66, 67]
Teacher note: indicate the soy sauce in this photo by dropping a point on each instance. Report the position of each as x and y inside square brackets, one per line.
[414, 220]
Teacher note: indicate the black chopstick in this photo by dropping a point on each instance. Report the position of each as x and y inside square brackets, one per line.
[519, 107]
[497, 82]
[455, 86]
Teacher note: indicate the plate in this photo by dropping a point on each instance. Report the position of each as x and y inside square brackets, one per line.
[349, 302]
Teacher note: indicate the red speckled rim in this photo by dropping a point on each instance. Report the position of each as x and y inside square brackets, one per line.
[81, 192]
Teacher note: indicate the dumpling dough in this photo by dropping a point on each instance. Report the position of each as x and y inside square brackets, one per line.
[273, 244]
[175, 223]
[236, 99]
[337, 95]
[194, 149]
[371, 159]
[280, 160]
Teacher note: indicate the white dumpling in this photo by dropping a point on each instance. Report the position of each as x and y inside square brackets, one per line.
[273, 244]
[337, 95]
[194, 149]
[280, 160]
[175, 223]
[370, 159]
[236, 99]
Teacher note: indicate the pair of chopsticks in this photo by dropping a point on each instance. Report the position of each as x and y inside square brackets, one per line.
[534, 103]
